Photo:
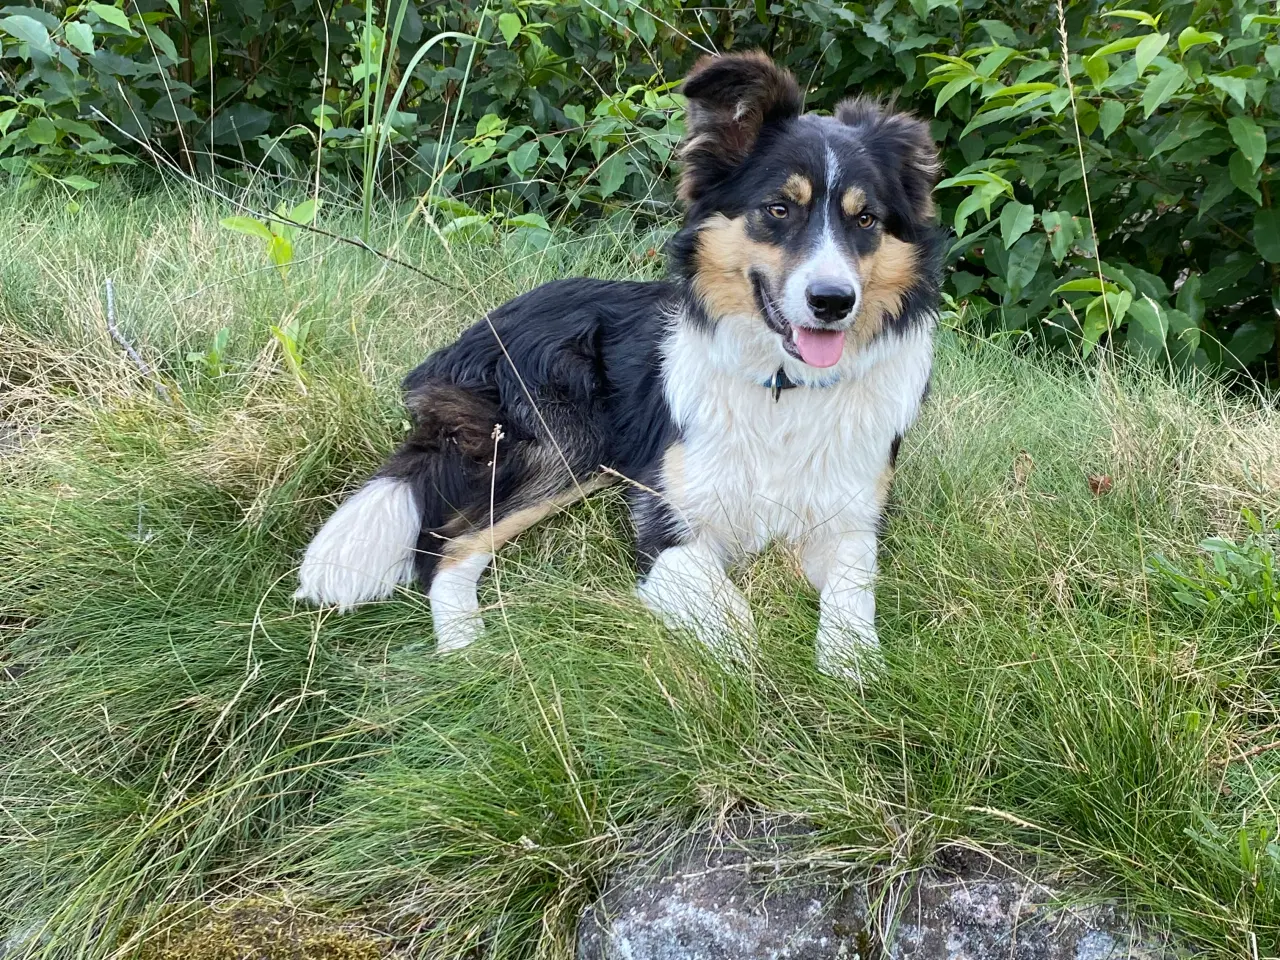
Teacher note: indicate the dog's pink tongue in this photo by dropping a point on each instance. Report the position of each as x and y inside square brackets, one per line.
[819, 348]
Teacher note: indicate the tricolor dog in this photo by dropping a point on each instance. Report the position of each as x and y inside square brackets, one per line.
[759, 394]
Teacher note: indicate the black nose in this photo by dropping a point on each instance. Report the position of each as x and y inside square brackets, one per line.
[830, 300]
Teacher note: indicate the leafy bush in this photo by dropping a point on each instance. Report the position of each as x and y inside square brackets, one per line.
[1173, 109]
[536, 110]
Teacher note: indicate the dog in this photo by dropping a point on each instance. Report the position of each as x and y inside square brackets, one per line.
[758, 394]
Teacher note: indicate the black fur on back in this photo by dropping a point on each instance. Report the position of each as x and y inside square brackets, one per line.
[570, 372]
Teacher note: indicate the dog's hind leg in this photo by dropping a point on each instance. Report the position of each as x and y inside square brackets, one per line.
[455, 604]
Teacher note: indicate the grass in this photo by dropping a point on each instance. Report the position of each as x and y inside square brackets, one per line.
[176, 733]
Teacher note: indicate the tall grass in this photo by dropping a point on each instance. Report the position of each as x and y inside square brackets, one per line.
[175, 730]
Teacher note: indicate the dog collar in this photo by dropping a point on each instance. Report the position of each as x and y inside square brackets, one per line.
[780, 381]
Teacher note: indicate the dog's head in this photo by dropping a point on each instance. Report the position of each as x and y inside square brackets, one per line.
[809, 234]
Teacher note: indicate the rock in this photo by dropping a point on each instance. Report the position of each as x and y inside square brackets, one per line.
[756, 893]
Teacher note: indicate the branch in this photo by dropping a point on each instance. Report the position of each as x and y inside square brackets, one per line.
[161, 390]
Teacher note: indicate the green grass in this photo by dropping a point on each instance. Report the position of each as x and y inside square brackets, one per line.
[174, 730]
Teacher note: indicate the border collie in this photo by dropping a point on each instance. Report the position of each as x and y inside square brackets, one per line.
[758, 394]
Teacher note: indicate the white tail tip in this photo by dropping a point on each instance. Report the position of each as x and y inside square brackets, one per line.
[366, 548]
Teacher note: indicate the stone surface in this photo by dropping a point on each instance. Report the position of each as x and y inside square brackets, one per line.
[752, 893]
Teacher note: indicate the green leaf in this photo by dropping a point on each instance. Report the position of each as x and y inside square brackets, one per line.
[77, 182]
[1015, 220]
[1250, 138]
[1234, 87]
[1144, 18]
[1244, 176]
[1061, 229]
[1095, 325]
[112, 15]
[1000, 33]
[1086, 285]
[248, 225]
[1272, 54]
[1098, 70]
[79, 35]
[530, 221]
[644, 24]
[522, 159]
[1218, 186]
[490, 125]
[1021, 90]
[1024, 261]
[164, 44]
[41, 130]
[612, 173]
[1149, 48]
[1189, 300]
[950, 90]
[1032, 170]
[31, 32]
[280, 250]
[1266, 234]
[509, 24]
[1161, 88]
[1151, 316]
[468, 228]
[576, 113]
[1118, 46]
[1110, 116]
[1191, 37]
[305, 212]
[1251, 340]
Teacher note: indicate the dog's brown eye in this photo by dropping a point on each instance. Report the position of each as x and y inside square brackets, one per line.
[777, 210]
[866, 220]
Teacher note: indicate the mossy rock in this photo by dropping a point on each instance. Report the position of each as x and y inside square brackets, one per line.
[264, 930]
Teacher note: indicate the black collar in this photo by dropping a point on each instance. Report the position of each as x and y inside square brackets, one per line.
[779, 382]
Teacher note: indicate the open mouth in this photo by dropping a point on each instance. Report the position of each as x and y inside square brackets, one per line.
[817, 348]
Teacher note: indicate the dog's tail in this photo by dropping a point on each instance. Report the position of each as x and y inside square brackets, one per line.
[366, 549]
[396, 526]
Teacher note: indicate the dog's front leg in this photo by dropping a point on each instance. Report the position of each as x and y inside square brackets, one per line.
[844, 572]
[688, 588]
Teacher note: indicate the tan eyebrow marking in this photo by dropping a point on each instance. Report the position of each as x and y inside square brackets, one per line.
[798, 189]
[853, 201]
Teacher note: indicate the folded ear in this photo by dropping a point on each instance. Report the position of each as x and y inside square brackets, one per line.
[903, 147]
[731, 99]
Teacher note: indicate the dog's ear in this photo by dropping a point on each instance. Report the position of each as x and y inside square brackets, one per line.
[904, 148]
[731, 99]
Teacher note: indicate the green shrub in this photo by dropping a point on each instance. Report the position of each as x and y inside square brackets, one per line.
[536, 110]
[1235, 577]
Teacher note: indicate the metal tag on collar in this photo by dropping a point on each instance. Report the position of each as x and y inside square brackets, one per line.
[776, 384]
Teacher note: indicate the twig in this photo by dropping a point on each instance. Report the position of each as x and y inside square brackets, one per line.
[1248, 754]
[136, 357]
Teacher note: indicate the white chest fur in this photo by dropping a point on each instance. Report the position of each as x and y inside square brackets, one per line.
[811, 465]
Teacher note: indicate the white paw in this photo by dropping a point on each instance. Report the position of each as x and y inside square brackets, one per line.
[455, 631]
[455, 605]
[847, 652]
[689, 592]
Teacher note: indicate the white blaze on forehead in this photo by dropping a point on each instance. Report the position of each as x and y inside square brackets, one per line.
[833, 172]
[828, 261]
